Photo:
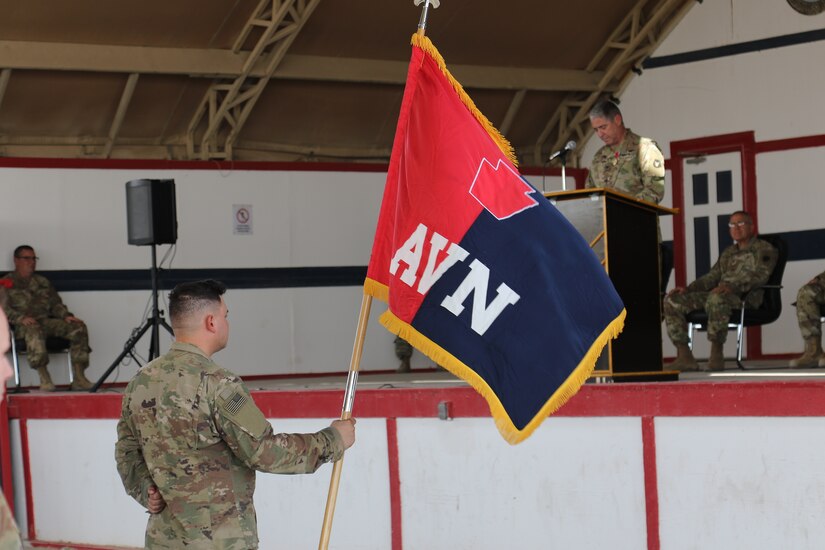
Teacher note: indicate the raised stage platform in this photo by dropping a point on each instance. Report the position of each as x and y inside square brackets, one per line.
[621, 466]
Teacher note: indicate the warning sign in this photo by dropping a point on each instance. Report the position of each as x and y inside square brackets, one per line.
[241, 219]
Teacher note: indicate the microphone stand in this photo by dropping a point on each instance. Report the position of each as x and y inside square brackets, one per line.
[563, 160]
[562, 156]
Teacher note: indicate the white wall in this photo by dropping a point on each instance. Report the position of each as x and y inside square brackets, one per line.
[575, 483]
[77, 494]
[740, 483]
[76, 220]
[578, 482]
[462, 487]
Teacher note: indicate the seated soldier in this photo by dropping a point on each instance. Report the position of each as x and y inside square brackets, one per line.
[808, 301]
[36, 311]
[745, 265]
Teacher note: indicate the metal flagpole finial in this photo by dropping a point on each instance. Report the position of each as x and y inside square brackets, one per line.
[422, 23]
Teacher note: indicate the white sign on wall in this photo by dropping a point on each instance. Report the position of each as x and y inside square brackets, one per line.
[241, 219]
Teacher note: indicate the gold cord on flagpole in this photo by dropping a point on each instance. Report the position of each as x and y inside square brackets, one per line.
[346, 414]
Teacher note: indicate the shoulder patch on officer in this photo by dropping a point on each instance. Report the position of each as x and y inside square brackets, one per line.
[657, 163]
[238, 408]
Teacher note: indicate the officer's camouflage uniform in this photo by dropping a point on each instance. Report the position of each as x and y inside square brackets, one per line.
[190, 428]
[635, 167]
[37, 298]
[742, 270]
[808, 300]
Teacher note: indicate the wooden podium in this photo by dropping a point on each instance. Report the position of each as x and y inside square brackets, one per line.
[624, 233]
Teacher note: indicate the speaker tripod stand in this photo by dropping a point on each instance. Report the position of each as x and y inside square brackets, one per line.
[153, 322]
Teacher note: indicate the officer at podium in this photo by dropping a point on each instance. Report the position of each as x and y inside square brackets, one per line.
[627, 162]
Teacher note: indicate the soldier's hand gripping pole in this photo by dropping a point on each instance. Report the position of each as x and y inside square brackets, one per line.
[346, 414]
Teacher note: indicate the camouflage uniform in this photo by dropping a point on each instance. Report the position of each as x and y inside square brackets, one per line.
[635, 167]
[740, 269]
[403, 351]
[37, 298]
[191, 429]
[808, 300]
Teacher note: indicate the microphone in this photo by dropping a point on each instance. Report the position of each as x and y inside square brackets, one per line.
[571, 145]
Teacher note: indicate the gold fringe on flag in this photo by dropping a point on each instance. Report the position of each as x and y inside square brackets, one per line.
[377, 290]
[502, 420]
[426, 45]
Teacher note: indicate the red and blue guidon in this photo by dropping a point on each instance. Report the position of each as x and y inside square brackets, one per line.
[480, 271]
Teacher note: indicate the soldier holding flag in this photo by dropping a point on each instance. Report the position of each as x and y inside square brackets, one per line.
[190, 437]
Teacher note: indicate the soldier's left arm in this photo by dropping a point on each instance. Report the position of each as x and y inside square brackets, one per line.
[134, 473]
[57, 308]
[709, 280]
[250, 436]
[758, 271]
[652, 166]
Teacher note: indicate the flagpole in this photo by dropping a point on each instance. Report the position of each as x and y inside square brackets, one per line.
[346, 414]
[355, 361]
[422, 21]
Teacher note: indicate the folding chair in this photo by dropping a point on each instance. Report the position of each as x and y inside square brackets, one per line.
[54, 344]
[767, 312]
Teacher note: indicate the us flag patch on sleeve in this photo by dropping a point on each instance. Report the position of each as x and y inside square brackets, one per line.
[237, 407]
[234, 403]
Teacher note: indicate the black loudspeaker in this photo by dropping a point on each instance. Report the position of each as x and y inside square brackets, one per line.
[150, 212]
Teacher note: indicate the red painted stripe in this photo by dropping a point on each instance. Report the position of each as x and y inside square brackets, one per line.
[27, 477]
[159, 164]
[65, 406]
[5, 455]
[789, 144]
[778, 356]
[706, 398]
[651, 483]
[395, 484]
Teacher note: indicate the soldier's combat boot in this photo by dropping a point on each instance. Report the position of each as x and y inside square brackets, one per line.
[813, 354]
[685, 362]
[80, 381]
[404, 366]
[716, 361]
[46, 383]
